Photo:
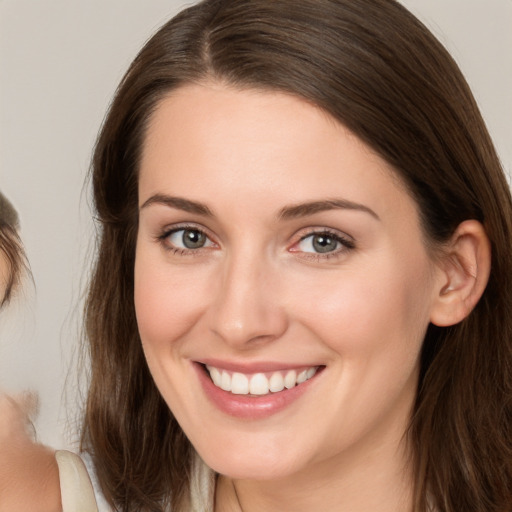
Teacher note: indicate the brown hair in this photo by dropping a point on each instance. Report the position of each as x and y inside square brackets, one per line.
[380, 72]
[11, 249]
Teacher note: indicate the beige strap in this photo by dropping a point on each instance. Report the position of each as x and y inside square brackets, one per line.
[202, 487]
[76, 489]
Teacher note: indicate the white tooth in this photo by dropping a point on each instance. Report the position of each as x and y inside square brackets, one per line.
[303, 375]
[311, 372]
[215, 375]
[225, 382]
[276, 382]
[239, 384]
[290, 379]
[258, 384]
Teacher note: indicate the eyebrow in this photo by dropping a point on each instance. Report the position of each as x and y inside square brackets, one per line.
[178, 203]
[287, 213]
[305, 209]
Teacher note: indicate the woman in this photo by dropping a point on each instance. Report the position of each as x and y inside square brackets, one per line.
[303, 278]
[28, 472]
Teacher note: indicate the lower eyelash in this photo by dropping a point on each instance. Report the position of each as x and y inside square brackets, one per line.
[317, 256]
[176, 250]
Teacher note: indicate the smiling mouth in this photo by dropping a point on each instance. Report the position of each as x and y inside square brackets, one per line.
[259, 384]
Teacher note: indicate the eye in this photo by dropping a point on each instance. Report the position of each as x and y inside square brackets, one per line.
[187, 239]
[323, 242]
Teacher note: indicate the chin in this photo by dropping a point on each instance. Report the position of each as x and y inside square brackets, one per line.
[255, 465]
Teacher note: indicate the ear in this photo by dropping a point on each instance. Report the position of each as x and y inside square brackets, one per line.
[463, 271]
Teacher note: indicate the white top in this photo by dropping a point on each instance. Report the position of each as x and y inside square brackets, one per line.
[78, 492]
[202, 487]
[76, 489]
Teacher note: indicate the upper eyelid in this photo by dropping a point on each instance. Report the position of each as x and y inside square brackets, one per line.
[306, 232]
[172, 228]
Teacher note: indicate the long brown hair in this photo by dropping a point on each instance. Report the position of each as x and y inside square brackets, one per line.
[11, 250]
[380, 72]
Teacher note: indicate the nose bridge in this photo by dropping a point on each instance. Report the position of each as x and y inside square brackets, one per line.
[246, 306]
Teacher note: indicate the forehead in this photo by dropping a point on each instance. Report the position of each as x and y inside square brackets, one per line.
[260, 145]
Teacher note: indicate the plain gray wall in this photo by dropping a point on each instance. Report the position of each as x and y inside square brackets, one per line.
[60, 61]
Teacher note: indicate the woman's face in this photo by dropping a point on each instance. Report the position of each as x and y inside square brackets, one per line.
[278, 258]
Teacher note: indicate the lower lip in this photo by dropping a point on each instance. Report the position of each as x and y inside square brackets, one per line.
[251, 407]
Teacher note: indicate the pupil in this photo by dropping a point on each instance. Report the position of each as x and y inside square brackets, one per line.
[324, 243]
[193, 239]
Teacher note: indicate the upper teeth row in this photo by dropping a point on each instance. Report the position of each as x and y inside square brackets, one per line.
[259, 383]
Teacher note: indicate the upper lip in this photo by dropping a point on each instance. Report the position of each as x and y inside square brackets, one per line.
[255, 366]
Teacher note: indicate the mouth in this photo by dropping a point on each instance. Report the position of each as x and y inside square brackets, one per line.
[257, 391]
[261, 383]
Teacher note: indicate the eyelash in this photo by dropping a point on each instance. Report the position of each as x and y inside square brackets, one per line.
[163, 239]
[345, 242]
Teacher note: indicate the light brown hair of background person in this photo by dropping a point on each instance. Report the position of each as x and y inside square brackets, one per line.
[11, 250]
[377, 70]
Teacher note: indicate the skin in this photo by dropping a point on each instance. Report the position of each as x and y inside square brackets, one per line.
[29, 477]
[257, 291]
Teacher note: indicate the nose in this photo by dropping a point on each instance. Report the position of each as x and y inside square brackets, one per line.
[246, 308]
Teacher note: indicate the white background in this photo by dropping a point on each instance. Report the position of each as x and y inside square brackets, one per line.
[60, 61]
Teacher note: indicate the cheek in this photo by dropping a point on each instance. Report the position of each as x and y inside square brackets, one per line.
[374, 323]
[168, 300]
[167, 304]
[372, 309]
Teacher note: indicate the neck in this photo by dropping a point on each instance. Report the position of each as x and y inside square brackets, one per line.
[379, 478]
[376, 472]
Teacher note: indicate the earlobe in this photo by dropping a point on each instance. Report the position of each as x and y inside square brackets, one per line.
[463, 272]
